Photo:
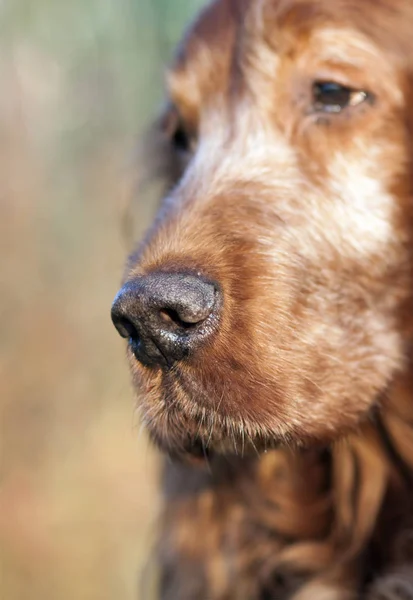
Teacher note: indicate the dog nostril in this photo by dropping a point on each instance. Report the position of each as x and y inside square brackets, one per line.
[171, 317]
[184, 319]
[184, 300]
[125, 328]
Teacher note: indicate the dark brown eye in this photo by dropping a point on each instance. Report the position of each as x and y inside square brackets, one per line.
[332, 97]
[177, 133]
[181, 140]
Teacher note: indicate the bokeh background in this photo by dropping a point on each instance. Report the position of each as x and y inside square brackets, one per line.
[79, 81]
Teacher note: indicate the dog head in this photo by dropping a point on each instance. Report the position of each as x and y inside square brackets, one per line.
[270, 301]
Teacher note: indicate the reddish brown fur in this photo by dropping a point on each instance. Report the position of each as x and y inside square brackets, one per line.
[305, 220]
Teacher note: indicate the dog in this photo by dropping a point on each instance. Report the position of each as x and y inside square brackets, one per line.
[268, 310]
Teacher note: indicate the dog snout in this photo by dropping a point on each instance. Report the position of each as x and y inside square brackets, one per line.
[166, 315]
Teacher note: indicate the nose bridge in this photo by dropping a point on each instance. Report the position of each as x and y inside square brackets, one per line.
[235, 180]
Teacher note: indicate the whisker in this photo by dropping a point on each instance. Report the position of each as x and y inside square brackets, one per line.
[232, 429]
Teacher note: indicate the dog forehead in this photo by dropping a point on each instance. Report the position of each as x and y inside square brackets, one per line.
[224, 24]
[386, 22]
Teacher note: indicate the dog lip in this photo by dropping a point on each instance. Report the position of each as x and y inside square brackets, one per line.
[149, 353]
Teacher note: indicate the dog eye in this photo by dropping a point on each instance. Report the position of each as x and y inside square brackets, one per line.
[332, 97]
[177, 133]
[181, 140]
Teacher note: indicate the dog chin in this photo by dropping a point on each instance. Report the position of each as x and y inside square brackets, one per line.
[195, 448]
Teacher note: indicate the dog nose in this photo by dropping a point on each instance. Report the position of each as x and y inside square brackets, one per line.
[166, 315]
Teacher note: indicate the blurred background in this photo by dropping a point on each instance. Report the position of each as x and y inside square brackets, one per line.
[79, 81]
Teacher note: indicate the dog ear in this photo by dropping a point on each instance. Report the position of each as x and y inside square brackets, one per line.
[409, 125]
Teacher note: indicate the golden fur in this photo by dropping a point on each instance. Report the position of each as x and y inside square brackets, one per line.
[303, 399]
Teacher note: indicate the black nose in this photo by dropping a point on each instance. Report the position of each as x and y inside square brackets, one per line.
[166, 315]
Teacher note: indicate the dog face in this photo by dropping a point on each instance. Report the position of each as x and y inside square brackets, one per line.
[289, 122]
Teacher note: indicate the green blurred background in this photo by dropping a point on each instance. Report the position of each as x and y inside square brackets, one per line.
[78, 82]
